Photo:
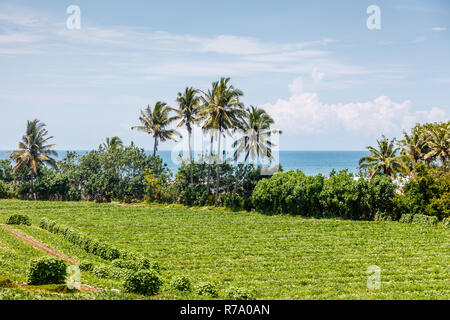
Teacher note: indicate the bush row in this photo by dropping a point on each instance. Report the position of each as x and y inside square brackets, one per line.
[340, 195]
[419, 219]
[19, 219]
[93, 246]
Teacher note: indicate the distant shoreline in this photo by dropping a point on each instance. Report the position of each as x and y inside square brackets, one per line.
[311, 162]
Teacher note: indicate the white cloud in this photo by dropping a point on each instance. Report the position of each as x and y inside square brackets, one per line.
[419, 39]
[296, 86]
[439, 29]
[316, 75]
[303, 112]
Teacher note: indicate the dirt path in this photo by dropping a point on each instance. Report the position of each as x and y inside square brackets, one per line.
[39, 245]
[4, 248]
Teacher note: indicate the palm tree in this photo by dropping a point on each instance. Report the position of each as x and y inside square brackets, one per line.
[413, 145]
[254, 142]
[156, 122]
[438, 141]
[256, 131]
[112, 144]
[208, 126]
[384, 159]
[34, 149]
[188, 106]
[223, 112]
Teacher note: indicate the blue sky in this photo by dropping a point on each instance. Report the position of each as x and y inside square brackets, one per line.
[329, 81]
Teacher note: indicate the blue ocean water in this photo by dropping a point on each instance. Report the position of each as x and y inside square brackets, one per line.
[310, 162]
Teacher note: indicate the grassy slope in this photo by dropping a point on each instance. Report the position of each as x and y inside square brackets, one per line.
[277, 257]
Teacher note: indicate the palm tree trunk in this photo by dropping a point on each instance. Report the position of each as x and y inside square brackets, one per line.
[217, 170]
[155, 146]
[209, 165]
[32, 186]
[190, 160]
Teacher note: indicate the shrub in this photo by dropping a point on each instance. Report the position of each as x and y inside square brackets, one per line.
[233, 201]
[47, 270]
[119, 274]
[344, 197]
[406, 218]
[425, 220]
[207, 289]
[86, 266]
[4, 190]
[182, 284]
[125, 264]
[7, 283]
[101, 272]
[19, 219]
[428, 191]
[446, 222]
[439, 207]
[146, 282]
[239, 294]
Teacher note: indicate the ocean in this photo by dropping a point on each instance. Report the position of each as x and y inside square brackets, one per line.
[310, 162]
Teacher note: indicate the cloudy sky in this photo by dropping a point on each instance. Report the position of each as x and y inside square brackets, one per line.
[329, 81]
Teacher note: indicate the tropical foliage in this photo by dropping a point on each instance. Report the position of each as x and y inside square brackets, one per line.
[385, 159]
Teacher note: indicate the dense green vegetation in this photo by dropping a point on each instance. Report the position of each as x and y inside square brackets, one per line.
[239, 252]
[159, 240]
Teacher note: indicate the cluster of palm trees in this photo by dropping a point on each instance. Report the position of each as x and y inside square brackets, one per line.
[429, 143]
[218, 111]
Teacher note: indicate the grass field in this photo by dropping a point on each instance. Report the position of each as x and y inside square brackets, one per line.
[275, 257]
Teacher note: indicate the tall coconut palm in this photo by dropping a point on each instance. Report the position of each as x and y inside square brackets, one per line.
[256, 131]
[385, 159]
[223, 112]
[438, 141]
[208, 127]
[413, 145]
[255, 140]
[156, 122]
[188, 107]
[112, 144]
[34, 149]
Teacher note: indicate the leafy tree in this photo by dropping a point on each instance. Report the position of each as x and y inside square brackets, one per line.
[156, 122]
[6, 171]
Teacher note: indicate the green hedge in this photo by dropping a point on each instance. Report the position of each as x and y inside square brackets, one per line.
[419, 219]
[406, 218]
[425, 220]
[19, 219]
[90, 245]
[340, 195]
[47, 270]
[446, 222]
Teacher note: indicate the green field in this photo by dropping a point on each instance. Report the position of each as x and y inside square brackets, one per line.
[274, 257]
